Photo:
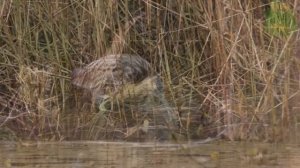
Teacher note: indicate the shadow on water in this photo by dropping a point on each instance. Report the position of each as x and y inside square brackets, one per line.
[125, 154]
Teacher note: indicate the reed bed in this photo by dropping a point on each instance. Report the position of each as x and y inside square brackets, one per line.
[225, 70]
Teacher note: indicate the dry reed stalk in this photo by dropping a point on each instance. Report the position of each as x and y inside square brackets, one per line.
[223, 72]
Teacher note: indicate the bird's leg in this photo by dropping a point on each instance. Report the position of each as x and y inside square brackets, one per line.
[102, 106]
[102, 101]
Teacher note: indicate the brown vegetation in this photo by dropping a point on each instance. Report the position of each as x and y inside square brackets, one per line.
[223, 74]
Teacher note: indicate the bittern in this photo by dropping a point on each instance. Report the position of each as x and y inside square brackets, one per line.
[107, 75]
[121, 77]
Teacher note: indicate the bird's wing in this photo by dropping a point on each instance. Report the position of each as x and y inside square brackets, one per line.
[135, 68]
[111, 72]
[98, 74]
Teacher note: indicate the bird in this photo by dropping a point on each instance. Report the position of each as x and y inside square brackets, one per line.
[109, 74]
[123, 78]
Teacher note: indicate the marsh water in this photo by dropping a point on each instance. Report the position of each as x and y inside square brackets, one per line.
[134, 155]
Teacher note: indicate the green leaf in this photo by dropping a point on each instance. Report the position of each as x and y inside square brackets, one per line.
[280, 19]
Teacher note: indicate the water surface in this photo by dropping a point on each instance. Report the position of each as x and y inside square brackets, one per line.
[134, 155]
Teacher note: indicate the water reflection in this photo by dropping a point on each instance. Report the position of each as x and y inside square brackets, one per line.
[105, 154]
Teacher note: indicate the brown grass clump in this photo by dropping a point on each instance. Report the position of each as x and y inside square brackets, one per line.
[226, 72]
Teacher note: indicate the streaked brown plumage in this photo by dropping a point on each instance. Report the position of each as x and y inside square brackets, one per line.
[110, 73]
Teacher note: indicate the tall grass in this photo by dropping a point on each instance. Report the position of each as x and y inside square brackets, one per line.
[224, 74]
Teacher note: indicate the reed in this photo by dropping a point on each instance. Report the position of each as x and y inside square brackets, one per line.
[226, 70]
